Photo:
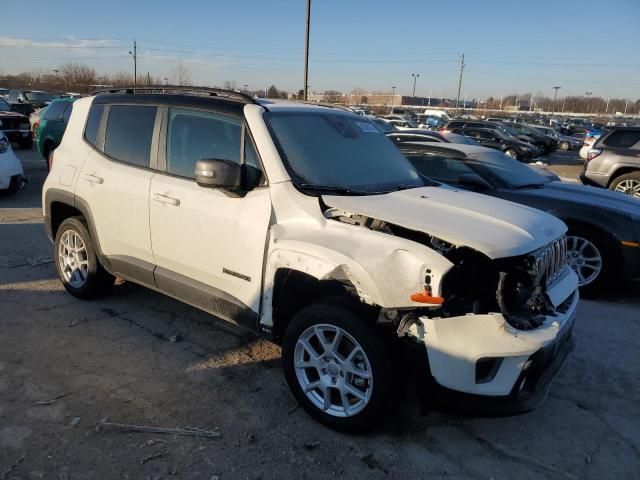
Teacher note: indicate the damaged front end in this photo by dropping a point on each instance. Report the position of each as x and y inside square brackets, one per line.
[500, 328]
[516, 287]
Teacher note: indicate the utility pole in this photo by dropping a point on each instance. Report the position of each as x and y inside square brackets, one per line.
[555, 97]
[135, 65]
[393, 96]
[429, 97]
[460, 81]
[588, 94]
[306, 51]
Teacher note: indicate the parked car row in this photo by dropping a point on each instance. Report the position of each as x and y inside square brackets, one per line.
[372, 254]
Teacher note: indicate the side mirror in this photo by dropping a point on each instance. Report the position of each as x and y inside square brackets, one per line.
[474, 181]
[222, 174]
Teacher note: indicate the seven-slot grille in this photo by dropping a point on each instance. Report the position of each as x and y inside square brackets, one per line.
[552, 260]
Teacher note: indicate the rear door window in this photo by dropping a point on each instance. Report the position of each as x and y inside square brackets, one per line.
[129, 133]
[622, 139]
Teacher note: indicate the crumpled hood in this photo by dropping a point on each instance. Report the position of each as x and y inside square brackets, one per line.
[495, 227]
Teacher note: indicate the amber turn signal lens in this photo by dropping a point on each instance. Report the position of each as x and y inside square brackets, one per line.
[630, 244]
[425, 297]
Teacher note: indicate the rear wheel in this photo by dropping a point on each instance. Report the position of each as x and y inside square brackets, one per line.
[628, 184]
[338, 367]
[77, 263]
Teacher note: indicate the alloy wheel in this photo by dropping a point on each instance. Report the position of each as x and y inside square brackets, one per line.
[584, 258]
[629, 187]
[333, 370]
[73, 259]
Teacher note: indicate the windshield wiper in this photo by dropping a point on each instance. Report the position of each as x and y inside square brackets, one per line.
[341, 189]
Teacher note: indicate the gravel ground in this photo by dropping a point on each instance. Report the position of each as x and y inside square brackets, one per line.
[140, 358]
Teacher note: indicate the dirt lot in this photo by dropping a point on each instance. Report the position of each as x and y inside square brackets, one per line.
[140, 358]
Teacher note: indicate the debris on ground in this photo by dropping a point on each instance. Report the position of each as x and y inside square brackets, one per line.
[53, 400]
[144, 460]
[187, 431]
[75, 422]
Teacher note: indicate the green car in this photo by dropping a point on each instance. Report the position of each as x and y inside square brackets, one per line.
[53, 123]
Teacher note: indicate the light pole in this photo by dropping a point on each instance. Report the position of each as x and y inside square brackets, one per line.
[245, 87]
[429, 97]
[135, 64]
[555, 97]
[393, 96]
[413, 94]
[306, 52]
[588, 94]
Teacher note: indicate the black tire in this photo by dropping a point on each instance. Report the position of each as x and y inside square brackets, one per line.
[98, 281]
[564, 146]
[376, 349]
[608, 278]
[14, 185]
[632, 178]
[26, 144]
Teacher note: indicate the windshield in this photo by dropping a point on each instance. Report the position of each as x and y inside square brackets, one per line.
[506, 170]
[4, 106]
[38, 96]
[340, 151]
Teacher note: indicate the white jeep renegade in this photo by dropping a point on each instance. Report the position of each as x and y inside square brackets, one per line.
[306, 224]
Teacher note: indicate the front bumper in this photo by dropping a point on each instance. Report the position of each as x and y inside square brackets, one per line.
[522, 363]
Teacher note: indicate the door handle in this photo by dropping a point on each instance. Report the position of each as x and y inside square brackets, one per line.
[93, 178]
[166, 199]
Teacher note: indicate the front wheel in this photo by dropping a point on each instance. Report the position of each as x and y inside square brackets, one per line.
[593, 258]
[77, 263]
[510, 152]
[628, 184]
[338, 367]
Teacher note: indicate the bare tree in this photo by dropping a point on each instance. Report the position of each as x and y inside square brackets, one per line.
[229, 85]
[179, 75]
[77, 76]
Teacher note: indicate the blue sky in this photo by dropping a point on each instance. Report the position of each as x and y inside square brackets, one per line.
[510, 46]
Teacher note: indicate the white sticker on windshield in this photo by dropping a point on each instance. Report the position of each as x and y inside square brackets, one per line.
[367, 127]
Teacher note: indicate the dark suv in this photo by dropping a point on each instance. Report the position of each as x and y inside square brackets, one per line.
[614, 162]
[26, 101]
[540, 140]
[498, 140]
[458, 126]
[15, 126]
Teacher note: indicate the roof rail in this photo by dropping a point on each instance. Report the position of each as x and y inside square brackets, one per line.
[204, 91]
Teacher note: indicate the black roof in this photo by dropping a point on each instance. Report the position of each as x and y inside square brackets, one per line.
[176, 96]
